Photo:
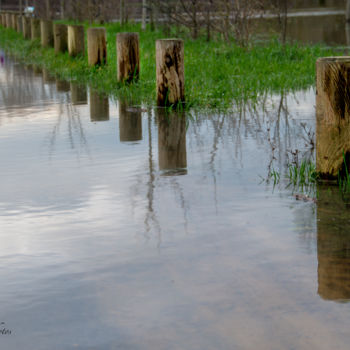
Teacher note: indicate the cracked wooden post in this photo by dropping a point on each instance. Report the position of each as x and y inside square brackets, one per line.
[76, 40]
[97, 48]
[60, 37]
[19, 24]
[332, 115]
[35, 27]
[46, 29]
[27, 30]
[128, 57]
[170, 72]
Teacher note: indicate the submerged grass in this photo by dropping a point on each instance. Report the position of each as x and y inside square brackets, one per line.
[217, 74]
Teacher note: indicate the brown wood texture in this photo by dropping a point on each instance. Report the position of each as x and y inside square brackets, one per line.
[76, 40]
[332, 114]
[97, 46]
[60, 37]
[170, 72]
[128, 57]
[27, 30]
[35, 26]
[46, 29]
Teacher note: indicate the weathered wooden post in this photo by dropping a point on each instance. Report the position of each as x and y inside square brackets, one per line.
[19, 24]
[128, 57]
[78, 94]
[99, 107]
[97, 47]
[170, 72]
[171, 140]
[76, 40]
[35, 28]
[60, 37]
[130, 123]
[332, 115]
[46, 29]
[27, 29]
[8, 20]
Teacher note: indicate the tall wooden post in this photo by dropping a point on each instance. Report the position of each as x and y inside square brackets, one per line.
[128, 57]
[19, 24]
[26, 26]
[46, 29]
[170, 72]
[97, 47]
[332, 115]
[76, 40]
[35, 26]
[60, 37]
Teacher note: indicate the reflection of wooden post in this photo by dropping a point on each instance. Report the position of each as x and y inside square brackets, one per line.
[47, 77]
[8, 20]
[14, 21]
[78, 94]
[332, 114]
[128, 56]
[35, 27]
[62, 85]
[3, 20]
[37, 69]
[130, 123]
[171, 140]
[97, 49]
[170, 72]
[99, 107]
[333, 245]
[60, 37]
[19, 24]
[46, 28]
[27, 30]
[76, 40]
[347, 11]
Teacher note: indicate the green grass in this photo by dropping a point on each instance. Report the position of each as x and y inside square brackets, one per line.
[217, 74]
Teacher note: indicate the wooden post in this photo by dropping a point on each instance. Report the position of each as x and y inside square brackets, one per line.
[35, 27]
[128, 57]
[130, 123]
[172, 153]
[332, 115]
[78, 94]
[46, 28]
[8, 20]
[170, 72]
[60, 37]
[99, 107]
[97, 48]
[76, 40]
[27, 30]
[19, 24]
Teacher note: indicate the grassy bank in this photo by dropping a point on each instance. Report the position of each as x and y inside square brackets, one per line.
[216, 73]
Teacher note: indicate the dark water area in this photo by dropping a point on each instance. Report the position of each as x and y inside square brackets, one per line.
[125, 227]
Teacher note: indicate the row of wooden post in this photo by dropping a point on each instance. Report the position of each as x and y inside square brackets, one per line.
[169, 52]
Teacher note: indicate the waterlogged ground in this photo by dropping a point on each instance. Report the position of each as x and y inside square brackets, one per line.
[125, 228]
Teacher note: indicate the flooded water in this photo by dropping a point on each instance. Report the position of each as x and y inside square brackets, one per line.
[123, 227]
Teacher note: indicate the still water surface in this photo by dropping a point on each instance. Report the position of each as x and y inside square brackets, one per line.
[125, 228]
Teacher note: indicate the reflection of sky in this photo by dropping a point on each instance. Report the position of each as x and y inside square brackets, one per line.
[100, 250]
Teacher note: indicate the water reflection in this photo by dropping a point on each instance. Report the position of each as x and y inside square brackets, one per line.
[99, 107]
[333, 245]
[130, 122]
[62, 85]
[171, 141]
[78, 94]
[48, 78]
